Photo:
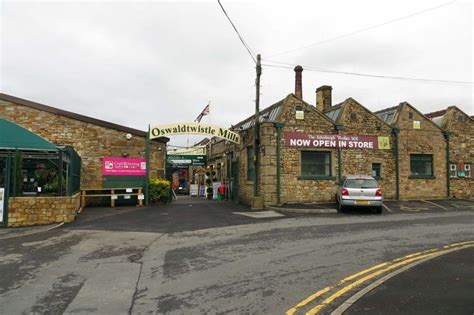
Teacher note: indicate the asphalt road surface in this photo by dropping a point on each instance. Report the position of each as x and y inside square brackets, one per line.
[196, 256]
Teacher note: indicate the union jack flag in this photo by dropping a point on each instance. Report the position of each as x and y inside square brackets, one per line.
[204, 112]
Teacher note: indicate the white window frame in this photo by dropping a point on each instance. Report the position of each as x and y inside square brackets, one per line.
[453, 170]
[467, 170]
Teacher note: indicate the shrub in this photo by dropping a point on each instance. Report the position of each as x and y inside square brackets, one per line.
[160, 190]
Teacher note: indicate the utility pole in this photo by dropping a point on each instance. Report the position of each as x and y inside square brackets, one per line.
[257, 126]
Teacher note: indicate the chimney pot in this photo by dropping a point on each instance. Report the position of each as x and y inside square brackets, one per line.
[298, 82]
[324, 98]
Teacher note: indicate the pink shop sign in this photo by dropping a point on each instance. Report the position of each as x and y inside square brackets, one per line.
[115, 166]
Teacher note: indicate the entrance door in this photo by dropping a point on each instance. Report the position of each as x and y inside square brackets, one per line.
[235, 181]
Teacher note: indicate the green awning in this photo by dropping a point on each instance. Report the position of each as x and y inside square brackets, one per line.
[13, 136]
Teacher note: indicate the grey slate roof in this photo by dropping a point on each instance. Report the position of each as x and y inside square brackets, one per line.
[268, 114]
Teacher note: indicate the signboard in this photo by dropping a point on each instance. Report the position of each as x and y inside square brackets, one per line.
[193, 129]
[193, 189]
[416, 124]
[2, 202]
[187, 160]
[305, 140]
[115, 166]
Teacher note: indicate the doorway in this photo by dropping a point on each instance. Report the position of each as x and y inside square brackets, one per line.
[5, 168]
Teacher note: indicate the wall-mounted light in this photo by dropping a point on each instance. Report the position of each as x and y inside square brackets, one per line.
[128, 136]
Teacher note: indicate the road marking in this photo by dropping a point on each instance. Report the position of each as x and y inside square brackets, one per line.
[386, 207]
[363, 272]
[413, 209]
[416, 254]
[310, 298]
[395, 263]
[458, 244]
[435, 204]
[334, 296]
[361, 293]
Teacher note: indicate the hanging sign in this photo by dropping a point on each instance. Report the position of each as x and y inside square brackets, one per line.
[187, 160]
[115, 166]
[305, 140]
[2, 202]
[193, 129]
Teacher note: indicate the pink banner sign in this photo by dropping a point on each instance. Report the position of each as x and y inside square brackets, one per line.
[115, 166]
[306, 140]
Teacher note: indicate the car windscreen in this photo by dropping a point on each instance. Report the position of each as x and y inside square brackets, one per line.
[360, 183]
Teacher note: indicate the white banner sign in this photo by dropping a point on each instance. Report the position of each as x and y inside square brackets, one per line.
[2, 202]
[193, 129]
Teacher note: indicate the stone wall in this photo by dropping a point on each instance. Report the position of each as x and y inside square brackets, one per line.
[428, 139]
[461, 149]
[294, 189]
[357, 120]
[91, 141]
[27, 211]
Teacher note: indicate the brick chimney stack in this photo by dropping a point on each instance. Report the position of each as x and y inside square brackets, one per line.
[324, 98]
[298, 82]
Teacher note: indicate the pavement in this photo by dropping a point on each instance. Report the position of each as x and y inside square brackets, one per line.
[443, 285]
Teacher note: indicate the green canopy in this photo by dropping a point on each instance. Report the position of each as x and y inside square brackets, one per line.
[13, 136]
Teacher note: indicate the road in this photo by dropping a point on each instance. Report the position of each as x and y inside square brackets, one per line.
[197, 256]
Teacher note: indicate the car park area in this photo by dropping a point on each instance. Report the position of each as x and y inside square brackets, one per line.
[389, 207]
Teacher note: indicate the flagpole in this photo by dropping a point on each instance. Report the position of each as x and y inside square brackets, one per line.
[210, 139]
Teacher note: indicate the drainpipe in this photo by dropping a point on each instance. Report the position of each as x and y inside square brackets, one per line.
[448, 183]
[339, 165]
[60, 172]
[396, 134]
[278, 127]
[338, 129]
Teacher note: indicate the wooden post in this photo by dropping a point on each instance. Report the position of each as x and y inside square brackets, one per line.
[112, 199]
[140, 201]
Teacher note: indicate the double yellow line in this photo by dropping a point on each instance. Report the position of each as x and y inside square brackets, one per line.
[366, 275]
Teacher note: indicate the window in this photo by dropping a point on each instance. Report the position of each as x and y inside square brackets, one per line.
[315, 163]
[353, 116]
[376, 170]
[453, 170]
[421, 165]
[250, 163]
[410, 115]
[467, 170]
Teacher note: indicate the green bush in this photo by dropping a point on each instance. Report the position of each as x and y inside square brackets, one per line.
[160, 190]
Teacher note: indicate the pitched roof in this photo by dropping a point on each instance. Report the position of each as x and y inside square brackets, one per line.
[268, 114]
[436, 114]
[75, 116]
[388, 114]
[13, 136]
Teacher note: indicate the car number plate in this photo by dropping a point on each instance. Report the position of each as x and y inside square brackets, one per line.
[362, 202]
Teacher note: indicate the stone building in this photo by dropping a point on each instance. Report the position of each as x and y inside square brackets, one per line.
[354, 119]
[420, 153]
[305, 149]
[91, 138]
[459, 129]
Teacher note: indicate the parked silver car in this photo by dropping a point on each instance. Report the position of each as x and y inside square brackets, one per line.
[359, 191]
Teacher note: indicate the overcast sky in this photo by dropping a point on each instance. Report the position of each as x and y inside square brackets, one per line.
[139, 63]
